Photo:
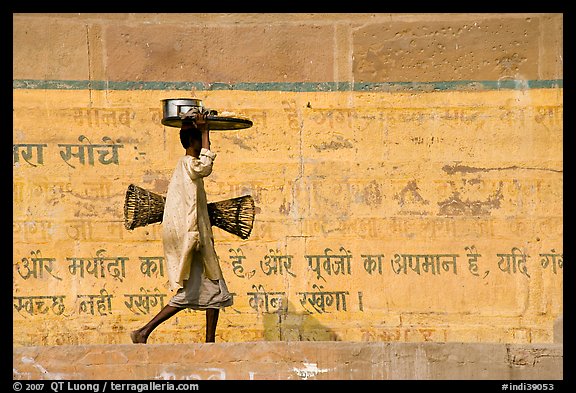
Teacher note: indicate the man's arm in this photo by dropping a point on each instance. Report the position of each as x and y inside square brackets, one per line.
[202, 124]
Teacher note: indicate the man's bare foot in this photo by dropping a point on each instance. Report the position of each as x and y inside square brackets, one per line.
[138, 338]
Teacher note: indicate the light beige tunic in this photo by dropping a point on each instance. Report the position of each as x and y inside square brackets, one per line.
[186, 225]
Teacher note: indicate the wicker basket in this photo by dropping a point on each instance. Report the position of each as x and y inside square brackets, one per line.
[235, 215]
[142, 207]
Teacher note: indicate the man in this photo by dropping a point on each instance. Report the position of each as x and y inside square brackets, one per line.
[192, 264]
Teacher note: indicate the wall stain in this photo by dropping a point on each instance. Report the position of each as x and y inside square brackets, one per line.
[470, 169]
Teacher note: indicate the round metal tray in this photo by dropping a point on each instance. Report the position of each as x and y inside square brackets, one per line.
[214, 122]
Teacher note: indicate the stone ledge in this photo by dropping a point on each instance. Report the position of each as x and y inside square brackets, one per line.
[291, 360]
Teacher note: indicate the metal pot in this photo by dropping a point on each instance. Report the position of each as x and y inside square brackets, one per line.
[173, 107]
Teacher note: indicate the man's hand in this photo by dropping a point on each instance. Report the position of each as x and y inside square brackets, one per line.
[202, 122]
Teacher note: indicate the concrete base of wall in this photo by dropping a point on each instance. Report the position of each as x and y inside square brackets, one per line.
[291, 360]
[559, 329]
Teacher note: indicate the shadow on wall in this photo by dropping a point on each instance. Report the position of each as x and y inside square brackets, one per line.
[287, 324]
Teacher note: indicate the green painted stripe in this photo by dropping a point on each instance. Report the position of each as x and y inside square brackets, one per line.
[288, 86]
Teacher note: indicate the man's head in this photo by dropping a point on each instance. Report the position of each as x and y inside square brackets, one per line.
[191, 137]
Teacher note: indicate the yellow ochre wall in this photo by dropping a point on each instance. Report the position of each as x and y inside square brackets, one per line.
[407, 172]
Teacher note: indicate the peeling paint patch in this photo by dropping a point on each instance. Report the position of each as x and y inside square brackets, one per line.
[455, 206]
[240, 142]
[520, 357]
[45, 373]
[410, 193]
[20, 375]
[310, 370]
[339, 143]
[372, 194]
[205, 373]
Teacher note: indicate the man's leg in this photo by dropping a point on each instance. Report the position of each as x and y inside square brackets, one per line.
[140, 336]
[211, 322]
